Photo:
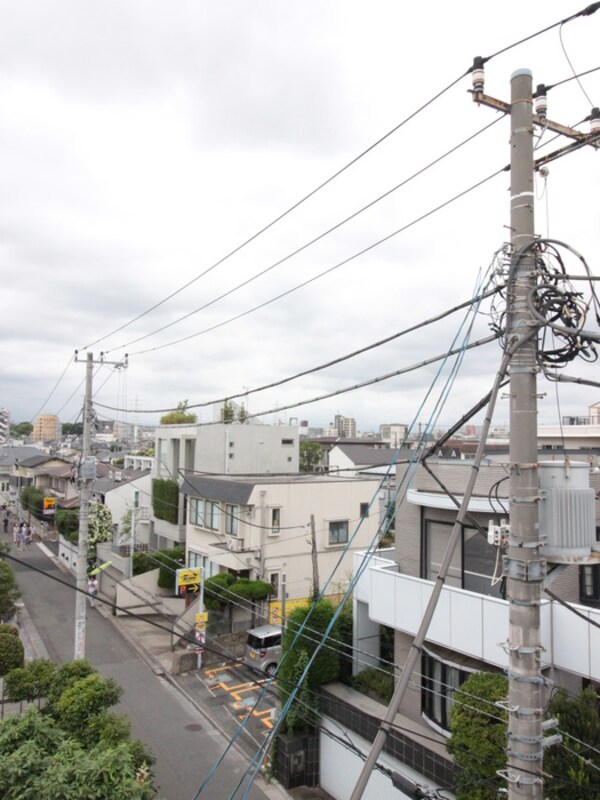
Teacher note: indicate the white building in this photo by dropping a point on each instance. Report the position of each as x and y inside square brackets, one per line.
[222, 449]
[260, 527]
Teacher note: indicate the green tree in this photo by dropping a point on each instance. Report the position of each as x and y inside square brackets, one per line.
[12, 653]
[180, 416]
[572, 762]
[326, 665]
[66, 676]
[9, 592]
[478, 738]
[21, 429]
[227, 412]
[32, 501]
[243, 414]
[67, 523]
[30, 682]
[310, 455]
[72, 429]
[85, 699]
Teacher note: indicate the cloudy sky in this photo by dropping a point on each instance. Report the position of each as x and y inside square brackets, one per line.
[141, 143]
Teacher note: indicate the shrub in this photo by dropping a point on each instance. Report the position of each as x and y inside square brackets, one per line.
[478, 737]
[375, 681]
[67, 523]
[32, 501]
[12, 653]
[9, 592]
[167, 560]
[31, 681]
[214, 596]
[165, 500]
[11, 629]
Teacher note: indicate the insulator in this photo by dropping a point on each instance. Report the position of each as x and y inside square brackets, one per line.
[541, 101]
[595, 120]
[478, 75]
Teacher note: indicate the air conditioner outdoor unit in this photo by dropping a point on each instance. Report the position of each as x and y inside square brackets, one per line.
[235, 545]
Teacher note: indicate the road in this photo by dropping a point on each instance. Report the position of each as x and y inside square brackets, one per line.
[185, 746]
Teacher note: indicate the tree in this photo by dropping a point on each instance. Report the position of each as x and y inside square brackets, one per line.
[32, 501]
[180, 416]
[30, 682]
[227, 412]
[326, 664]
[85, 699]
[9, 592]
[21, 429]
[67, 523]
[100, 529]
[478, 739]
[575, 767]
[12, 653]
[72, 429]
[243, 414]
[310, 455]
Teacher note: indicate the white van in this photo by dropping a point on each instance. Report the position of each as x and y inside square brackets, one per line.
[263, 648]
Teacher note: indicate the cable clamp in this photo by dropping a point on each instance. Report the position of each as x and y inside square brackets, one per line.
[525, 756]
[525, 603]
[535, 680]
[525, 545]
[532, 498]
[525, 739]
[520, 650]
[518, 780]
[521, 570]
[519, 712]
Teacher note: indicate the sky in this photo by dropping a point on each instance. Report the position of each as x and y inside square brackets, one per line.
[144, 146]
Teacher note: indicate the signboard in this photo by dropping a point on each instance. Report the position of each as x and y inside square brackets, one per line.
[200, 641]
[187, 581]
[275, 609]
[49, 506]
[201, 620]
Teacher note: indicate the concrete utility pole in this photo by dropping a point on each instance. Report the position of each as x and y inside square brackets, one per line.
[315, 560]
[87, 471]
[524, 567]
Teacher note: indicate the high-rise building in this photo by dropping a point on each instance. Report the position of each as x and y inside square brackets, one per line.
[4, 426]
[345, 426]
[46, 428]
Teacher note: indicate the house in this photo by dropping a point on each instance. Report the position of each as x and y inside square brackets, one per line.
[260, 527]
[223, 449]
[471, 619]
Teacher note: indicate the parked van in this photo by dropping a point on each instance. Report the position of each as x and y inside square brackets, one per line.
[263, 648]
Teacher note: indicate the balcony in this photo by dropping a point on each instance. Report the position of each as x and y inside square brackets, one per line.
[475, 624]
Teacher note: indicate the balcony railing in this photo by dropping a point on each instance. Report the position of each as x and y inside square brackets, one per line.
[477, 625]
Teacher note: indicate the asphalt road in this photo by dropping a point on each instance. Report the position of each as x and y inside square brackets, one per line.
[185, 745]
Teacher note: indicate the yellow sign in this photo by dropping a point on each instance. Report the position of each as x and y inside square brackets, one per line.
[49, 506]
[188, 579]
[275, 609]
[201, 620]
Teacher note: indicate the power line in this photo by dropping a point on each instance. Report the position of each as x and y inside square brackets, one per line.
[314, 240]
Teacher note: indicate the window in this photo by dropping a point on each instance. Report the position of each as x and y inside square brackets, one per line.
[364, 510]
[275, 584]
[287, 442]
[440, 681]
[275, 520]
[204, 513]
[232, 514]
[338, 532]
[209, 568]
[589, 585]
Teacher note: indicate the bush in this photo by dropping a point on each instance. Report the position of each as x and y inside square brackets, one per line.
[375, 681]
[214, 596]
[31, 681]
[478, 739]
[32, 501]
[67, 523]
[9, 592]
[12, 653]
[11, 629]
[165, 500]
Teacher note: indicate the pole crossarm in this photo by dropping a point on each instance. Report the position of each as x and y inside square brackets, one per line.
[543, 122]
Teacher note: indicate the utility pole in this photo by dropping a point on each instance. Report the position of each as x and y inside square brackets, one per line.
[87, 473]
[524, 566]
[315, 560]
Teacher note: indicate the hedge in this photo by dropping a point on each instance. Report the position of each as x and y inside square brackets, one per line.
[165, 500]
[12, 653]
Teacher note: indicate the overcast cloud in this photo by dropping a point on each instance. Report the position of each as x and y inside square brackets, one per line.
[140, 142]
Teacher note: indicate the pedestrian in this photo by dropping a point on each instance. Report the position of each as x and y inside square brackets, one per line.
[28, 537]
[15, 532]
[92, 589]
[21, 536]
[5, 523]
